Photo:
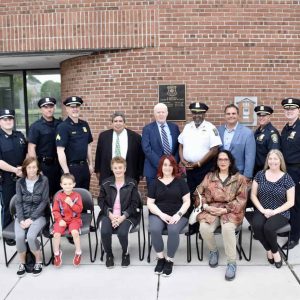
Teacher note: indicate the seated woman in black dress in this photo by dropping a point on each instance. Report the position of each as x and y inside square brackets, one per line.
[272, 193]
[168, 201]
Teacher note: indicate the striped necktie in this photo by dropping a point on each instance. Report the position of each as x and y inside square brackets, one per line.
[165, 141]
[118, 148]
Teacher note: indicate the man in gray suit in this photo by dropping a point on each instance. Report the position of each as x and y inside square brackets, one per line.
[239, 140]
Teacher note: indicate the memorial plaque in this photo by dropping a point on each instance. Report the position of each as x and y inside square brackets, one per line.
[173, 95]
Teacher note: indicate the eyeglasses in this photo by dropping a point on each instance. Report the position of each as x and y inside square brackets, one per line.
[223, 159]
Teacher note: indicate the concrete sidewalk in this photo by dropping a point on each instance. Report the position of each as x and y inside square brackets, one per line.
[256, 279]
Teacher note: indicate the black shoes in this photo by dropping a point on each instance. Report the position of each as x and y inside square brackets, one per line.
[290, 245]
[70, 240]
[10, 242]
[271, 260]
[278, 264]
[109, 261]
[159, 266]
[38, 268]
[168, 268]
[21, 271]
[125, 260]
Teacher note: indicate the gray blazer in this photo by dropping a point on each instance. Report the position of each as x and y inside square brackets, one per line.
[243, 148]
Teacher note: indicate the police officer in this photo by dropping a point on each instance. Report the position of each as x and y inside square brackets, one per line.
[290, 144]
[41, 143]
[73, 141]
[266, 136]
[13, 150]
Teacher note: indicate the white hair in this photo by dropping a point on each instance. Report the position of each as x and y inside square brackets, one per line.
[160, 105]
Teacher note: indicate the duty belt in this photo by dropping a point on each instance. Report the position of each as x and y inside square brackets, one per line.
[47, 160]
[77, 163]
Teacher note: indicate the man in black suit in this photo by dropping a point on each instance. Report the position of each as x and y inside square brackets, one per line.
[119, 141]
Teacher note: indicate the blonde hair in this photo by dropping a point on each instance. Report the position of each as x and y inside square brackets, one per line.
[118, 160]
[280, 156]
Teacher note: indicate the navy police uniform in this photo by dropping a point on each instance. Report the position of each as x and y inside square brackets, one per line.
[75, 138]
[290, 143]
[266, 138]
[42, 133]
[13, 149]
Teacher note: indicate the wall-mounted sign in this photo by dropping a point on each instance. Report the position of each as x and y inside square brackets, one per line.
[246, 105]
[173, 95]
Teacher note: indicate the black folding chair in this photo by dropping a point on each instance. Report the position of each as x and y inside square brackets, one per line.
[88, 218]
[8, 233]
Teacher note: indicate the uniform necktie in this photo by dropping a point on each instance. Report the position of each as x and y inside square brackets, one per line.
[165, 141]
[118, 148]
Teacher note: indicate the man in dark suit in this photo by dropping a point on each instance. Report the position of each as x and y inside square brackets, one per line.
[119, 141]
[158, 138]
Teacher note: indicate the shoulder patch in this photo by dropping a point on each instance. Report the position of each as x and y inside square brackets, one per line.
[216, 132]
[58, 137]
[274, 138]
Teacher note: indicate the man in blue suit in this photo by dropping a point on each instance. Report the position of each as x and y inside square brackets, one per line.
[158, 138]
[239, 140]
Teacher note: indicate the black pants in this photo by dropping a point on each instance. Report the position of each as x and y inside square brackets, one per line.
[294, 172]
[8, 191]
[82, 175]
[107, 230]
[53, 174]
[265, 229]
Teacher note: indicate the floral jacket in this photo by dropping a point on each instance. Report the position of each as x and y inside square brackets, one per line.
[232, 196]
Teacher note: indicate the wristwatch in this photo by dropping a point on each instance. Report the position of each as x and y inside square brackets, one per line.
[179, 214]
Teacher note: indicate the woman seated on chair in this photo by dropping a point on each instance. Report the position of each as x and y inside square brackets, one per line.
[32, 198]
[119, 202]
[272, 193]
[168, 201]
[224, 197]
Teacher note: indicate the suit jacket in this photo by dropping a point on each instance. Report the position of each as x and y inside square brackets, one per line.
[153, 148]
[134, 157]
[243, 149]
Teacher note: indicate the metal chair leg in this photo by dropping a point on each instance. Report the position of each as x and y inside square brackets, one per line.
[7, 262]
[149, 247]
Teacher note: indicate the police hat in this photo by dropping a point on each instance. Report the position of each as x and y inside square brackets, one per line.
[5, 113]
[263, 110]
[198, 107]
[46, 101]
[73, 100]
[290, 102]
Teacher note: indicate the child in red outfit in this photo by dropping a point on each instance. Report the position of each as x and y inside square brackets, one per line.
[67, 208]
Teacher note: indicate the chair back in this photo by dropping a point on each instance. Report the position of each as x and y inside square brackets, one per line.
[12, 206]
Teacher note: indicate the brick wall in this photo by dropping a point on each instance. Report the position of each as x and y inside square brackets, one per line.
[219, 49]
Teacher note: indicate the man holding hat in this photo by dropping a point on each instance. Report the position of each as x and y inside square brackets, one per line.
[41, 143]
[13, 150]
[290, 144]
[73, 141]
[266, 136]
[198, 145]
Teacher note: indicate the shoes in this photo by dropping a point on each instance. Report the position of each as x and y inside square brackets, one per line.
[290, 245]
[125, 260]
[70, 239]
[213, 258]
[283, 234]
[109, 261]
[159, 265]
[57, 260]
[168, 267]
[38, 268]
[21, 271]
[76, 260]
[10, 242]
[271, 260]
[230, 271]
[278, 264]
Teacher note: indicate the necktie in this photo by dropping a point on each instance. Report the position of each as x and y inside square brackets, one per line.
[165, 141]
[118, 148]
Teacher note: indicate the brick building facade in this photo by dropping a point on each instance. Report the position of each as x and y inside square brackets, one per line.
[218, 48]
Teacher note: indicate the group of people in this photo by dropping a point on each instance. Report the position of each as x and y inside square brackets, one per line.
[219, 164]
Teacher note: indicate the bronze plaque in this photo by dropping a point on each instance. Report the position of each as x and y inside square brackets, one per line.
[173, 95]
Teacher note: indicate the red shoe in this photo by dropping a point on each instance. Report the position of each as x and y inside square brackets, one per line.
[57, 259]
[76, 260]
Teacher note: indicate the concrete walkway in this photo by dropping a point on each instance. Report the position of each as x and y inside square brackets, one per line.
[255, 280]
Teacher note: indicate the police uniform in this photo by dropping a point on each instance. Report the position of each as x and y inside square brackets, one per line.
[290, 144]
[13, 149]
[266, 138]
[197, 142]
[75, 138]
[42, 133]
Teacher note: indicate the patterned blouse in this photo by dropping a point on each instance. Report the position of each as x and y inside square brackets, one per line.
[230, 194]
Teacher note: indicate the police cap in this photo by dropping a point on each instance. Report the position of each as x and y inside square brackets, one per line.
[198, 107]
[290, 103]
[46, 101]
[263, 110]
[7, 113]
[73, 100]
